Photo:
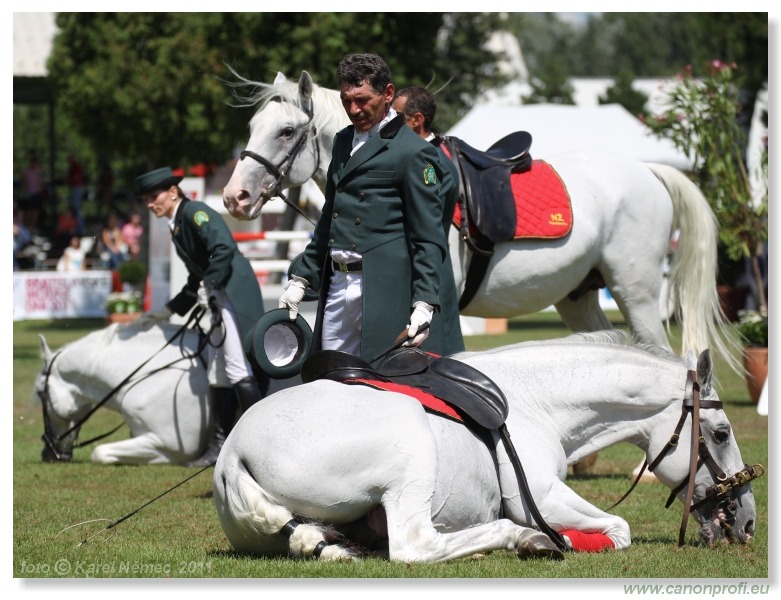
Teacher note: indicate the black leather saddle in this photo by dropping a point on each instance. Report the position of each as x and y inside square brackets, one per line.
[485, 189]
[450, 380]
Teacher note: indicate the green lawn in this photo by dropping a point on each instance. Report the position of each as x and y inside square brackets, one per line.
[179, 535]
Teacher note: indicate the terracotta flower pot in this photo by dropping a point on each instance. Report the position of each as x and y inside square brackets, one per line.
[123, 317]
[755, 363]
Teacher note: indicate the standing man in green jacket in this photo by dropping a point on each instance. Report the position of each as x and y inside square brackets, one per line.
[378, 250]
[220, 278]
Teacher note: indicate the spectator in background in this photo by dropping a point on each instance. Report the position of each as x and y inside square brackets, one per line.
[22, 236]
[67, 226]
[111, 242]
[131, 234]
[76, 182]
[73, 257]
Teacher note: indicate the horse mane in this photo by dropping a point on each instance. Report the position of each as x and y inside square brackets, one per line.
[250, 93]
[611, 337]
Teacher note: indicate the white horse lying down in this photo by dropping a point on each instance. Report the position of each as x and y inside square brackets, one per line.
[350, 461]
[165, 404]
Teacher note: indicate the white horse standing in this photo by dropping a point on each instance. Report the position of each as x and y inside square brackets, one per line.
[624, 212]
[326, 456]
[164, 404]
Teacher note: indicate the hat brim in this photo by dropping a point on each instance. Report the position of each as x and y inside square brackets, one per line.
[278, 346]
[162, 185]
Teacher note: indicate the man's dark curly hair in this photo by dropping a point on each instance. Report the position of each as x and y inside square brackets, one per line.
[355, 69]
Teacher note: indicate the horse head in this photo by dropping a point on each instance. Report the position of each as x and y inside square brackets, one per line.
[284, 145]
[59, 435]
[721, 500]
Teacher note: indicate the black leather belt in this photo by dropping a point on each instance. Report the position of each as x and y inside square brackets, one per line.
[348, 267]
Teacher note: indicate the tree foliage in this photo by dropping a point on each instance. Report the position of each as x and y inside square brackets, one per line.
[149, 88]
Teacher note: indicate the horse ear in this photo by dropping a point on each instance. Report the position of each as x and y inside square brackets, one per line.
[305, 88]
[46, 353]
[704, 369]
[280, 78]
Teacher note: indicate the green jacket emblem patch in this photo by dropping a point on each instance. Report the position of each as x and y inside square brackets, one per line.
[429, 175]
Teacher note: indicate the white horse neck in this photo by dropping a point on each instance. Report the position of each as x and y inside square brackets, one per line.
[593, 395]
[329, 118]
[87, 369]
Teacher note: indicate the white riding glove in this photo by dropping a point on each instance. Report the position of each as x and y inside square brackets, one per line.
[203, 296]
[422, 315]
[293, 294]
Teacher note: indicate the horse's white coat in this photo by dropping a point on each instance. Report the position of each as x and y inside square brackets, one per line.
[333, 453]
[168, 413]
[624, 213]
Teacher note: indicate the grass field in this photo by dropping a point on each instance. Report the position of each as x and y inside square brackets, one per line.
[179, 536]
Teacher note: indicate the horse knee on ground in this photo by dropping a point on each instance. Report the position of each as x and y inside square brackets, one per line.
[140, 450]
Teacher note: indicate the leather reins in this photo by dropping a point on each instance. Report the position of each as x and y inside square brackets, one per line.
[699, 456]
[280, 171]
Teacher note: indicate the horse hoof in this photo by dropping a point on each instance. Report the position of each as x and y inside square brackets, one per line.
[585, 466]
[535, 544]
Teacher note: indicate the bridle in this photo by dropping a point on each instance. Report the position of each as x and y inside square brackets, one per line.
[721, 492]
[54, 441]
[281, 170]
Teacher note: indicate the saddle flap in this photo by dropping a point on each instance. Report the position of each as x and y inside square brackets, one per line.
[490, 408]
[404, 361]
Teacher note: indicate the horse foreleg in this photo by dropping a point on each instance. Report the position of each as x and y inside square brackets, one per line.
[144, 449]
[569, 511]
[412, 536]
[583, 314]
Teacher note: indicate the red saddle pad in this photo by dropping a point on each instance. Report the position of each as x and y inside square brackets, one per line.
[542, 203]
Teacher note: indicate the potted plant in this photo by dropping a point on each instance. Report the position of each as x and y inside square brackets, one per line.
[132, 274]
[127, 304]
[124, 306]
[753, 330]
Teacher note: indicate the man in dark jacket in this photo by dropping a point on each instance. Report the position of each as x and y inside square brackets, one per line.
[378, 250]
[219, 277]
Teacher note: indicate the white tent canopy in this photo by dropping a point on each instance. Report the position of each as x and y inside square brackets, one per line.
[557, 129]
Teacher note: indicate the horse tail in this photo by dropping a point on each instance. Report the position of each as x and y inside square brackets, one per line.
[250, 510]
[693, 270]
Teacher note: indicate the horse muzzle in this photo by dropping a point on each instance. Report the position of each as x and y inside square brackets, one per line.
[55, 453]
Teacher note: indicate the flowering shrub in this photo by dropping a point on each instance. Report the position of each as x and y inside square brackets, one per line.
[124, 302]
[753, 327]
[700, 119]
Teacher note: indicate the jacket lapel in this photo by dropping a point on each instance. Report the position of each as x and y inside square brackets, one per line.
[370, 149]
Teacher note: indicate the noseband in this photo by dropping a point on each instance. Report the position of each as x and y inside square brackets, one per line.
[49, 437]
[281, 170]
[700, 455]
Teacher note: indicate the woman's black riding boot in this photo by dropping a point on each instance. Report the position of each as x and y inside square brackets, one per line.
[247, 392]
[223, 401]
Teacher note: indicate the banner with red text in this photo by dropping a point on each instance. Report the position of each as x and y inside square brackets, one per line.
[52, 295]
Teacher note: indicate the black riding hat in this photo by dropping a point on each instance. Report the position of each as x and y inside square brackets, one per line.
[159, 179]
[278, 346]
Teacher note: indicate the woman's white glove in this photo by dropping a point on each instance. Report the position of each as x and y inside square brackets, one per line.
[293, 294]
[421, 315]
[203, 296]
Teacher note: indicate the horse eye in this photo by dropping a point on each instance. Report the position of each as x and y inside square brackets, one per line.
[721, 436]
[288, 132]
